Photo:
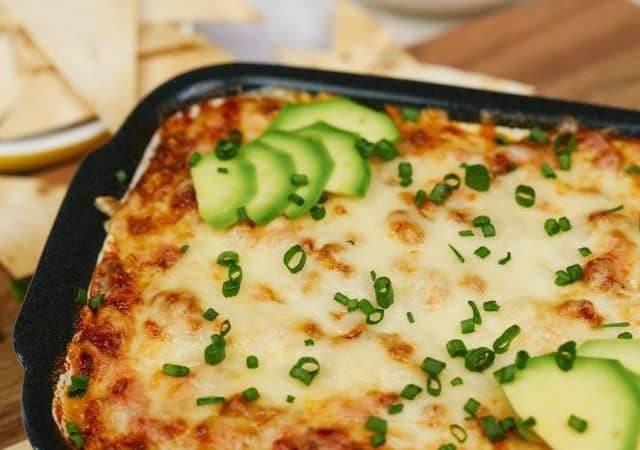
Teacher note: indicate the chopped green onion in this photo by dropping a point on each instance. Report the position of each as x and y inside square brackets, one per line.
[538, 135]
[457, 381]
[465, 233]
[613, 210]
[477, 318]
[252, 362]
[406, 181]
[547, 171]
[352, 304]
[505, 260]
[551, 227]
[482, 252]
[194, 159]
[305, 369]
[448, 446]
[410, 391]
[365, 306]
[615, 325]
[184, 248]
[378, 439]
[95, 302]
[575, 272]
[385, 150]
[502, 343]
[410, 114]
[384, 291]
[421, 196]
[292, 253]
[625, 335]
[457, 253]
[374, 316]
[251, 394]
[479, 221]
[209, 401]
[529, 422]
[564, 224]
[564, 161]
[439, 193]
[501, 139]
[458, 433]
[227, 149]
[210, 314]
[471, 406]
[175, 370]
[434, 386]
[223, 170]
[563, 145]
[396, 408]
[79, 385]
[228, 258]
[231, 287]
[584, 251]
[75, 435]
[492, 429]
[432, 366]
[365, 148]
[242, 214]
[488, 230]
[374, 423]
[317, 212]
[632, 170]
[410, 318]
[296, 199]
[467, 326]
[505, 374]
[456, 348]
[525, 196]
[341, 298]
[522, 357]
[507, 424]
[490, 306]
[290, 399]
[309, 342]
[562, 278]
[298, 179]
[405, 170]
[479, 359]
[215, 352]
[121, 176]
[79, 296]
[477, 177]
[452, 181]
[578, 424]
[566, 355]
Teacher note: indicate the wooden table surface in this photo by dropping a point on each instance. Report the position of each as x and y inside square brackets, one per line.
[578, 49]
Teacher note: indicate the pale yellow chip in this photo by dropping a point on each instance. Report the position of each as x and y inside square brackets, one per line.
[24, 445]
[92, 44]
[46, 103]
[10, 85]
[27, 210]
[155, 70]
[162, 38]
[172, 11]
[30, 57]
[6, 21]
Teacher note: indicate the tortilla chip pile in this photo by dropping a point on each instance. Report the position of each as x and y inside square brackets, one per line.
[73, 60]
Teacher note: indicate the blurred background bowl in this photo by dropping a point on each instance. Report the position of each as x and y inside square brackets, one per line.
[439, 7]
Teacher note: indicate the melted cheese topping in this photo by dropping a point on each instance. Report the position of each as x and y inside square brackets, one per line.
[156, 295]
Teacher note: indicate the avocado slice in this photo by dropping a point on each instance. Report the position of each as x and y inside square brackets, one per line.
[311, 159]
[222, 187]
[340, 113]
[351, 173]
[273, 174]
[597, 390]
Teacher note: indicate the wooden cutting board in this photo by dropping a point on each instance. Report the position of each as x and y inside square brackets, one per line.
[586, 50]
[578, 49]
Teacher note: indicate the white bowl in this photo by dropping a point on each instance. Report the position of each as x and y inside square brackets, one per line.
[440, 7]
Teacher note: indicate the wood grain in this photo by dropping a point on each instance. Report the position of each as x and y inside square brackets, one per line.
[586, 50]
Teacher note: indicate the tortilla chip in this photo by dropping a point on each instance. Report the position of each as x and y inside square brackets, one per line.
[155, 70]
[171, 11]
[10, 85]
[27, 210]
[92, 44]
[164, 38]
[24, 445]
[6, 21]
[29, 56]
[46, 103]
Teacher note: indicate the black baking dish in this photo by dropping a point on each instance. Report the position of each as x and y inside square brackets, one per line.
[46, 322]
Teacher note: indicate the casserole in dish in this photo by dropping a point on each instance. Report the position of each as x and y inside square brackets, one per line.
[317, 260]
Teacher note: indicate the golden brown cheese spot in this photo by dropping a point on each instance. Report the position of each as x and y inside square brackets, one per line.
[104, 337]
[435, 415]
[120, 386]
[461, 216]
[153, 329]
[425, 210]
[318, 439]
[312, 329]
[355, 331]
[139, 225]
[167, 257]
[580, 309]
[404, 229]
[604, 155]
[237, 406]
[603, 273]
[114, 281]
[167, 306]
[326, 255]
[474, 283]
[265, 292]
[501, 163]
[397, 349]
[339, 209]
